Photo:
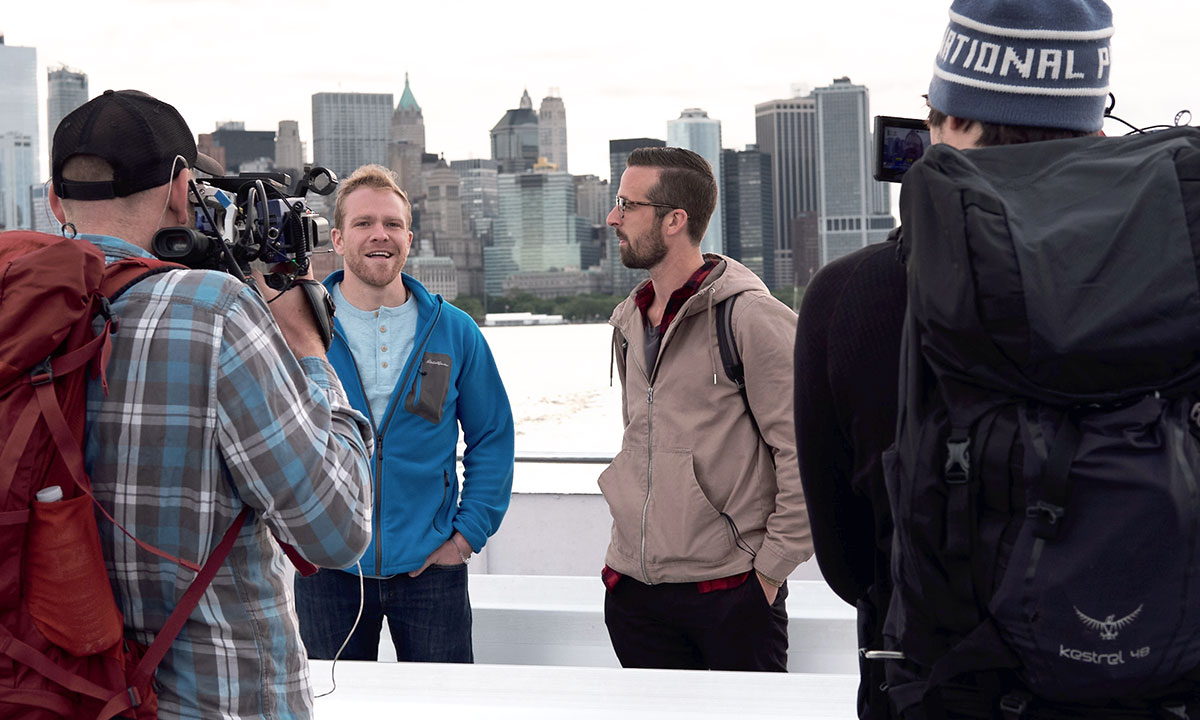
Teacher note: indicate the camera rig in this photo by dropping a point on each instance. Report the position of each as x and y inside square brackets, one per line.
[239, 219]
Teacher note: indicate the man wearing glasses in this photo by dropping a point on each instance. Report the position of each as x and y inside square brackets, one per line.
[708, 512]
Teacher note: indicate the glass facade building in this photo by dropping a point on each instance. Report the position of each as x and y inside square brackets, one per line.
[351, 130]
[694, 130]
[20, 156]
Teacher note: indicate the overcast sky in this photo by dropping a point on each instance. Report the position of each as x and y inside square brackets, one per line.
[622, 68]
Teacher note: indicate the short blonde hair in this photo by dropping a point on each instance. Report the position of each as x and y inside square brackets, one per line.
[370, 176]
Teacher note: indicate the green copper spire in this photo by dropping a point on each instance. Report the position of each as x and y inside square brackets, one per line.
[407, 101]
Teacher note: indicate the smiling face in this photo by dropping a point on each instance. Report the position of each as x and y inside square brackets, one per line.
[376, 238]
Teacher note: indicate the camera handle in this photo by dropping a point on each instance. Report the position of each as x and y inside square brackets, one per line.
[321, 305]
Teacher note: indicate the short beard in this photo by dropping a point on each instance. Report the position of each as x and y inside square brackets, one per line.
[651, 254]
[368, 275]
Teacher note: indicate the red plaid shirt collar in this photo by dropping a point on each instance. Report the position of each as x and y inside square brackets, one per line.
[645, 297]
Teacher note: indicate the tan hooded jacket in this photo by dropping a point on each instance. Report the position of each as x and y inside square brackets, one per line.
[697, 492]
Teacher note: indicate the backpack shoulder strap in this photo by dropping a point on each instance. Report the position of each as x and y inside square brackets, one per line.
[124, 274]
[735, 370]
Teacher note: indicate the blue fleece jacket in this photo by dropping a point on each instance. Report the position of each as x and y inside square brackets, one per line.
[450, 379]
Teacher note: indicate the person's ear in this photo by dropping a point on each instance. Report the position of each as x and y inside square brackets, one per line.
[335, 237]
[56, 205]
[177, 203]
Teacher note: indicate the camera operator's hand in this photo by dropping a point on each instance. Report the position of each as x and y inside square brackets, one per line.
[294, 316]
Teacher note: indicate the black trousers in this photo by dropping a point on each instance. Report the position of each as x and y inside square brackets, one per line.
[675, 626]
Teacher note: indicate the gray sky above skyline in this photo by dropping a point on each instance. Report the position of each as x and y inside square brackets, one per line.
[622, 70]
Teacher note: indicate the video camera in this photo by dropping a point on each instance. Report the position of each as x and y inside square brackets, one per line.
[899, 142]
[253, 216]
[248, 217]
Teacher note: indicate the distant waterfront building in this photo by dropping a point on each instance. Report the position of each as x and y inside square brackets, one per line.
[749, 211]
[407, 141]
[41, 219]
[515, 138]
[552, 130]
[548, 285]
[622, 279]
[244, 148]
[351, 130]
[443, 222]
[19, 153]
[694, 130]
[854, 209]
[437, 274]
[289, 149]
[786, 131]
[66, 90]
[480, 193]
[537, 230]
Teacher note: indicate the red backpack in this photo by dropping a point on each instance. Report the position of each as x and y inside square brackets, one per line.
[63, 653]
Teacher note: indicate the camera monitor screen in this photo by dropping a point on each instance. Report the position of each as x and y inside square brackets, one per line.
[899, 142]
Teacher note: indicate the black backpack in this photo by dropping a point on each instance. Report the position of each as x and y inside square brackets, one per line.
[1045, 479]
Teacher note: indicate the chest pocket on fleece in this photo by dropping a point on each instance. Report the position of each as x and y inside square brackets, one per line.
[428, 395]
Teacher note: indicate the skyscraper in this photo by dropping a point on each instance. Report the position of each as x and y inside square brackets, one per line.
[694, 130]
[552, 130]
[537, 229]
[443, 222]
[480, 196]
[749, 210]
[66, 90]
[289, 150]
[515, 138]
[854, 209]
[622, 279]
[786, 131]
[244, 147]
[351, 130]
[19, 154]
[407, 141]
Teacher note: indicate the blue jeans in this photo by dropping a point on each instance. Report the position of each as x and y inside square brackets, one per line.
[429, 616]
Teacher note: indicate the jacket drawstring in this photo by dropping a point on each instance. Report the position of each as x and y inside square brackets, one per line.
[712, 335]
[612, 357]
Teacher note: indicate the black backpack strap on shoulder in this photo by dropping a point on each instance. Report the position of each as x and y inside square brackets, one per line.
[727, 345]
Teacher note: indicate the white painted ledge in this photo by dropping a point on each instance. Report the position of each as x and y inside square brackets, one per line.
[500, 692]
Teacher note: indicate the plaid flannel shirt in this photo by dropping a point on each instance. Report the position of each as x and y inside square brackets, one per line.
[207, 411]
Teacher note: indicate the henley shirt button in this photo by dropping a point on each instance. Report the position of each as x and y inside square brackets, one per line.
[384, 348]
[385, 363]
[382, 328]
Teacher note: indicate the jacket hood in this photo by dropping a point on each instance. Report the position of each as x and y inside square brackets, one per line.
[727, 279]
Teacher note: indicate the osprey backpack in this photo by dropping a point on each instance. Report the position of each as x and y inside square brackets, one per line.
[1045, 477]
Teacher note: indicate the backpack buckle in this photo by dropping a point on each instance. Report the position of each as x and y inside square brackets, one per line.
[1014, 704]
[1047, 517]
[958, 460]
[42, 373]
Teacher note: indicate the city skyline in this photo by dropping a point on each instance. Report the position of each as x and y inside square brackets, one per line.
[465, 79]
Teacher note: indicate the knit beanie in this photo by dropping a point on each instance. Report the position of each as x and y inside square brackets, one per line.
[1043, 63]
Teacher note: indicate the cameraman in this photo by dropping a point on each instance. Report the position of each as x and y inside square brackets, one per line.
[848, 339]
[208, 410]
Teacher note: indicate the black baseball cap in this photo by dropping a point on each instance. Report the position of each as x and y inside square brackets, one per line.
[138, 135]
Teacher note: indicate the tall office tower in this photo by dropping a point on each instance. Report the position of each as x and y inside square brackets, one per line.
[480, 196]
[244, 148]
[289, 149]
[621, 278]
[351, 130]
[537, 230]
[66, 89]
[786, 130]
[593, 201]
[19, 155]
[749, 210]
[852, 210]
[694, 130]
[552, 130]
[515, 138]
[407, 141]
[443, 222]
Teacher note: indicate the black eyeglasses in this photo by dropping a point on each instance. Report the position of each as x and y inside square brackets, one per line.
[623, 205]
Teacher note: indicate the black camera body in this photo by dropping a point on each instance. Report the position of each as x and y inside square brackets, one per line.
[899, 142]
[248, 217]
